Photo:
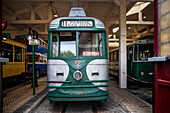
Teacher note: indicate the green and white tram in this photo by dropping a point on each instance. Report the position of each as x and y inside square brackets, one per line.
[139, 69]
[77, 67]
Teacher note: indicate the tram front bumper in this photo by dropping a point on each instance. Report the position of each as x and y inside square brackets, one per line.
[77, 95]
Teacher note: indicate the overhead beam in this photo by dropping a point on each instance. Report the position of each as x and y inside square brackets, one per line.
[141, 0]
[84, 0]
[133, 22]
[110, 40]
[140, 34]
[37, 8]
[108, 14]
[116, 2]
[115, 44]
[62, 0]
[28, 5]
[43, 33]
[26, 10]
[49, 11]
[7, 9]
[29, 21]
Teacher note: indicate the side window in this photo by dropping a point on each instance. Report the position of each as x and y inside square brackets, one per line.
[7, 51]
[130, 53]
[55, 44]
[17, 54]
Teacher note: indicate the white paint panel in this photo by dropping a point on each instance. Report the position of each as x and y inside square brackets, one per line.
[54, 67]
[100, 66]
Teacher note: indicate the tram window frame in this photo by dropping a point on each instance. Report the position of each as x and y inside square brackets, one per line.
[137, 53]
[130, 55]
[57, 40]
[8, 47]
[95, 43]
[17, 54]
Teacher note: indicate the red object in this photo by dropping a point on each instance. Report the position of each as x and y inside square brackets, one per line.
[3, 24]
[162, 75]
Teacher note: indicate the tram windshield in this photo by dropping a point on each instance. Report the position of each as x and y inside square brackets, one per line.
[64, 44]
[90, 44]
[143, 52]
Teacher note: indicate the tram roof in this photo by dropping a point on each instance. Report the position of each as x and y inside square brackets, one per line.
[56, 23]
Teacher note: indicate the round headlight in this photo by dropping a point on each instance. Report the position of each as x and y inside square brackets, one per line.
[77, 75]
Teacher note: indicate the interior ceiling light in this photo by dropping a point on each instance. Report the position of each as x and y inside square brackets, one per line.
[55, 15]
[115, 29]
[129, 27]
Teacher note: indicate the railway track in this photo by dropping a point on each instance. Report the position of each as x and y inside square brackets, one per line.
[78, 107]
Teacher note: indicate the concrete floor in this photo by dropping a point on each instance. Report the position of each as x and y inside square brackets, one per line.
[120, 101]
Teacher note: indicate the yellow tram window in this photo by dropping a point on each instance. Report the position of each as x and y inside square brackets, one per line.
[18, 54]
[7, 51]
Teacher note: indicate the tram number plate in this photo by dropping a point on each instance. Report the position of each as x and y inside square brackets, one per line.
[90, 53]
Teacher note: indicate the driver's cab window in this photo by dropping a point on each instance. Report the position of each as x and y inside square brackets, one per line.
[64, 44]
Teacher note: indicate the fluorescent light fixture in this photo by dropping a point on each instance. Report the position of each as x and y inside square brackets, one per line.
[115, 29]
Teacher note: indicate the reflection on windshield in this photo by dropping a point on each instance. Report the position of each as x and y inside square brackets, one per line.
[67, 48]
[38, 58]
[143, 52]
[64, 44]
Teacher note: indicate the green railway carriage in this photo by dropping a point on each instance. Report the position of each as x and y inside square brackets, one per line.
[77, 67]
[138, 67]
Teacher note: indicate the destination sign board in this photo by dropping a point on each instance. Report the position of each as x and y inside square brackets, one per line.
[77, 23]
[34, 42]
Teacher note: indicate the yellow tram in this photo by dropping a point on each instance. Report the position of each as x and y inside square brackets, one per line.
[16, 52]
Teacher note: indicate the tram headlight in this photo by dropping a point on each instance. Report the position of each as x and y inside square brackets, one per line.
[77, 75]
[150, 73]
[142, 73]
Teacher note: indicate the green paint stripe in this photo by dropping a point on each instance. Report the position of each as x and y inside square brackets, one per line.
[78, 86]
[58, 81]
[87, 81]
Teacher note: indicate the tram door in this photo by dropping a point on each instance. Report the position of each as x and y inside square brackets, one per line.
[162, 53]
